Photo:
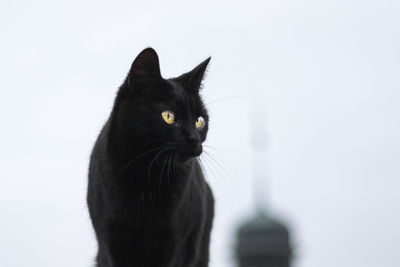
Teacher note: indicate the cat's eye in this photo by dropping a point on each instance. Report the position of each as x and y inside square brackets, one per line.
[168, 116]
[200, 122]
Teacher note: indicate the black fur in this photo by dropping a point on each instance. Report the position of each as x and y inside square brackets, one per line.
[148, 201]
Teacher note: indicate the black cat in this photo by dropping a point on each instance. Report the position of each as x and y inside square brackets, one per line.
[148, 201]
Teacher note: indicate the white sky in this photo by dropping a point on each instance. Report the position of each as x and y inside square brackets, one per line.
[325, 73]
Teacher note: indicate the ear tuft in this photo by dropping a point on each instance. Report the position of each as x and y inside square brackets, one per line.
[146, 64]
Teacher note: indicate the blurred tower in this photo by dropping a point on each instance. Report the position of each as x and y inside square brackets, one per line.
[262, 241]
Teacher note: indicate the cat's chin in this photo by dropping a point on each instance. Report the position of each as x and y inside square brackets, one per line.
[187, 155]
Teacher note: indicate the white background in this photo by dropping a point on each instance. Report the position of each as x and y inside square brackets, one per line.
[326, 74]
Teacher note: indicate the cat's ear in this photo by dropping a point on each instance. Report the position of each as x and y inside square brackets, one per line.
[192, 80]
[146, 65]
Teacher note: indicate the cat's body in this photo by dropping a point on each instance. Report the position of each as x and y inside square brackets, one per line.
[149, 203]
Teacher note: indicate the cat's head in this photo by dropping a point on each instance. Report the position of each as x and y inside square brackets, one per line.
[152, 112]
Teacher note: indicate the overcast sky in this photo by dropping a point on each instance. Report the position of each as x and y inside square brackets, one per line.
[323, 77]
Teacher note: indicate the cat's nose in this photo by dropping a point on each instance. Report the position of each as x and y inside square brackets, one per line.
[193, 139]
[194, 146]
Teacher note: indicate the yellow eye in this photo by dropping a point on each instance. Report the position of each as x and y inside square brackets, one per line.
[200, 122]
[168, 116]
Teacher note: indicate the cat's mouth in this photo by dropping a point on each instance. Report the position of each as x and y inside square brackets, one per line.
[191, 152]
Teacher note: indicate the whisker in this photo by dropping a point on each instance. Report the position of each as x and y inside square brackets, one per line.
[202, 165]
[207, 171]
[154, 159]
[216, 161]
[136, 158]
[162, 170]
[216, 149]
[211, 168]
[171, 164]
[221, 99]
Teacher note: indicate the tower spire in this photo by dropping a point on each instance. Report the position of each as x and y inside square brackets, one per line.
[260, 162]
